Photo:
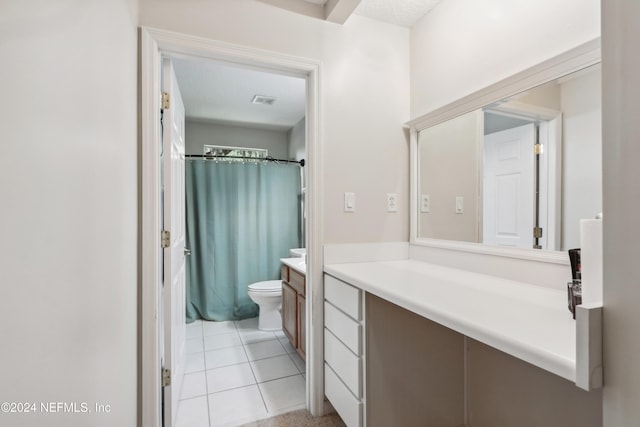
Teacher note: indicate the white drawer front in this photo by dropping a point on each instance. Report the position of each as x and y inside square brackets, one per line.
[343, 296]
[347, 406]
[344, 363]
[342, 326]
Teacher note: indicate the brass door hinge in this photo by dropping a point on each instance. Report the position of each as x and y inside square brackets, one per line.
[165, 238]
[537, 149]
[537, 232]
[166, 377]
[166, 101]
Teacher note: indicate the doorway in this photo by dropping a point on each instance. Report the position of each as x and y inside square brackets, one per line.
[155, 45]
[521, 176]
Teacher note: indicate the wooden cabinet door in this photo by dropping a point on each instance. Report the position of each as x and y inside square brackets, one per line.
[302, 336]
[289, 314]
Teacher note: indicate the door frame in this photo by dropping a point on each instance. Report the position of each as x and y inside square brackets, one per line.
[155, 43]
[551, 163]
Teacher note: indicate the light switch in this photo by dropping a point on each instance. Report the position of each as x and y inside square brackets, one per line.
[425, 203]
[459, 204]
[349, 202]
[392, 202]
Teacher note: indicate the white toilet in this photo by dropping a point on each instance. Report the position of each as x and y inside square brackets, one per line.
[268, 296]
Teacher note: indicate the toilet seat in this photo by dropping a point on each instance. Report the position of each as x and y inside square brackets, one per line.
[266, 287]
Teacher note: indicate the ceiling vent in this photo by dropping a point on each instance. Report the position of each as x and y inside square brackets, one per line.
[264, 100]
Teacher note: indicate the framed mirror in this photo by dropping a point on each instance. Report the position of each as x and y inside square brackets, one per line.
[513, 168]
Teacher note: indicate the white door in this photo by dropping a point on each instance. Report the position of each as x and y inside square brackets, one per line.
[173, 292]
[508, 184]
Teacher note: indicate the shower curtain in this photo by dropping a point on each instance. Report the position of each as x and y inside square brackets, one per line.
[241, 218]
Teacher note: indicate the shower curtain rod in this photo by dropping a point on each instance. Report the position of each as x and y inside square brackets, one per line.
[270, 159]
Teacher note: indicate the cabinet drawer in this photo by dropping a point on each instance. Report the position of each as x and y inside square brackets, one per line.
[296, 280]
[343, 362]
[343, 296]
[284, 272]
[347, 406]
[343, 327]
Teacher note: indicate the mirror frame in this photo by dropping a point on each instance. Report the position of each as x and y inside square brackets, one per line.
[568, 62]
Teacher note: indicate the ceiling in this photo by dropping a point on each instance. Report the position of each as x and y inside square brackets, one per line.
[404, 13]
[218, 92]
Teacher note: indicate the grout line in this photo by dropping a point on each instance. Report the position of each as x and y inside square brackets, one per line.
[255, 378]
[280, 378]
[296, 365]
[244, 347]
[206, 383]
[269, 357]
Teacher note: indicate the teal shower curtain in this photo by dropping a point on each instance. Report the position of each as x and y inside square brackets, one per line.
[241, 218]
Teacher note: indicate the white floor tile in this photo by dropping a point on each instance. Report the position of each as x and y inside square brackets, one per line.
[194, 385]
[236, 404]
[274, 368]
[224, 357]
[283, 393]
[195, 363]
[300, 364]
[194, 345]
[214, 342]
[196, 324]
[287, 345]
[264, 349]
[216, 328]
[193, 331]
[251, 323]
[249, 336]
[193, 412]
[229, 377]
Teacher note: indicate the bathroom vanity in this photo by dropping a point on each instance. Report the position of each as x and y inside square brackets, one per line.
[413, 343]
[292, 272]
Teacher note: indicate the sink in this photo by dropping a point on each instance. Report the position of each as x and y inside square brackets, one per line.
[298, 252]
[301, 266]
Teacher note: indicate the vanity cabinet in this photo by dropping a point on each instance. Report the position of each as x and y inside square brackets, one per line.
[343, 350]
[293, 308]
[409, 343]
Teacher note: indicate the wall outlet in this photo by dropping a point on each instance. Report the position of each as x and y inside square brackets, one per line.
[425, 203]
[392, 202]
[349, 202]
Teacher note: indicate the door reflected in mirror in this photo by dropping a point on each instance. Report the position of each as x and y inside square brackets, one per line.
[520, 172]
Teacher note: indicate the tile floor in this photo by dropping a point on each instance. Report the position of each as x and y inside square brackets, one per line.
[236, 374]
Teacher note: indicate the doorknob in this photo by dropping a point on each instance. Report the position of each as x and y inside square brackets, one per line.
[187, 251]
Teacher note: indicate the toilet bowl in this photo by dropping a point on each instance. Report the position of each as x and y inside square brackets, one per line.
[268, 296]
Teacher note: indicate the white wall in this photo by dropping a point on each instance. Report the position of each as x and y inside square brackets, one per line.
[297, 139]
[465, 45]
[68, 181]
[364, 84]
[449, 167]
[197, 134]
[621, 127]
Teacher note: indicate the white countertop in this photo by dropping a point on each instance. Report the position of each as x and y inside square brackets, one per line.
[527, 321]
[297, 264]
